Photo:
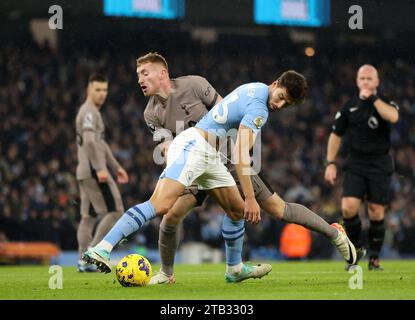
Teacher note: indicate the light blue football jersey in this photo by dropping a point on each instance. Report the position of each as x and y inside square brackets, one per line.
[246, 105]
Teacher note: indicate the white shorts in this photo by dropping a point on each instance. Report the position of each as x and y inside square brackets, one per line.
[191, 159]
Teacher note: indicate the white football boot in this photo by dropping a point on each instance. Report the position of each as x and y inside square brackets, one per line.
[161, 278]
[344, 245]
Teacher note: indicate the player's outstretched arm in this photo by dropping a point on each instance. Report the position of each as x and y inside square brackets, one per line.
[244, 143]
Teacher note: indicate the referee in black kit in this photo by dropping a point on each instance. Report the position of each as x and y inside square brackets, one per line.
[365, 122]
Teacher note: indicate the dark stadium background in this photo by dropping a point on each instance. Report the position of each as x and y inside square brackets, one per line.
[43, 85]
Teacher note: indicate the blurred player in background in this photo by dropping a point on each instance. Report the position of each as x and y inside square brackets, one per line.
[365, 121]
[248, 113]
[98, 190]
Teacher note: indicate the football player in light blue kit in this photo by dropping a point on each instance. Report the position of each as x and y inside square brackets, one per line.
[193, 157]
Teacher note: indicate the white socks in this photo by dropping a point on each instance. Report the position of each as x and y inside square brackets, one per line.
[234, 269]
[105, 245]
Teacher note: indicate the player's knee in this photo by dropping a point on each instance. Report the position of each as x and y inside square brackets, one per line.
[279, 212]
[349, 212]
[236, 211]
[166, 227]
[88, 219]
[274, 206]
[278, 209]
[234, 215]
[161, 209]
[376, 211]
[349, 209]
[173, 217]
[117, 214]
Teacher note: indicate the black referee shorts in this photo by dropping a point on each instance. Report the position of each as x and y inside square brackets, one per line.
[368, 179]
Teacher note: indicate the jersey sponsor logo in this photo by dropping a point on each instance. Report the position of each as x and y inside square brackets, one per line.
[88, 121]
[259, 121]
[373, 122]
[353, 109]
[338, 115]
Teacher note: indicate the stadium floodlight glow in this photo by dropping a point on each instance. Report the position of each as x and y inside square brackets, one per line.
[307, 13]
[309, 52]
[156, 9]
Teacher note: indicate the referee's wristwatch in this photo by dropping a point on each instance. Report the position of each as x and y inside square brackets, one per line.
[327, 163]
[372, 98]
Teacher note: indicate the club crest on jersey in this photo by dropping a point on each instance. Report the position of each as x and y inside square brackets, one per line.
[258, 122]
[88, 121]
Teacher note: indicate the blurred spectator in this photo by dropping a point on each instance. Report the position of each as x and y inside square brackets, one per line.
[406, 237]
[9, 225]
[32, 227]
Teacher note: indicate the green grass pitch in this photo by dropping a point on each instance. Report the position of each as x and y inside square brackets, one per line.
[287, 280]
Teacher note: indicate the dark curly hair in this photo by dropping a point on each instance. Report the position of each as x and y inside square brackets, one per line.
[296, 85]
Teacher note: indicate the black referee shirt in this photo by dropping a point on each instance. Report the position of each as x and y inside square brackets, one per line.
[365, 131]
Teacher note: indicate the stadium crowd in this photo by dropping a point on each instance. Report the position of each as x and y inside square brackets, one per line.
[41, 91]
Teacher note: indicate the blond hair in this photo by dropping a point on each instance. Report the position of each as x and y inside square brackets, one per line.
[152, 57]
